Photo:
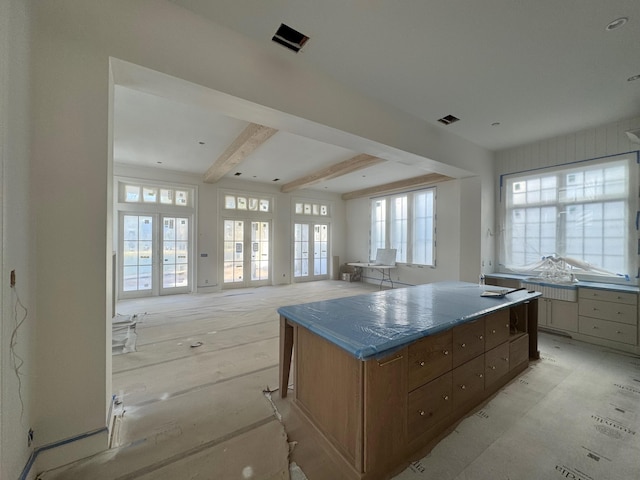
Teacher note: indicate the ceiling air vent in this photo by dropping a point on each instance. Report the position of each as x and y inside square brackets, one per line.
[448, 120]
[290, 38]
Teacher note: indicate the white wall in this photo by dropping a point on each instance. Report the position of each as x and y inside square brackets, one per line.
[71, 165]
[596, 142]
[209, 227]
[16, 231]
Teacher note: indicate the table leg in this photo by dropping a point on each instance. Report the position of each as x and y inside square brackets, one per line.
[532, 322]
[286, 350]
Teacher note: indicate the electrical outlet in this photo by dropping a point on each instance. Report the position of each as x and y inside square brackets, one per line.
[12, 280]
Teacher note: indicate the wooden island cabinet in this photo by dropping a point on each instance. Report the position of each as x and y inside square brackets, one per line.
[381, 376]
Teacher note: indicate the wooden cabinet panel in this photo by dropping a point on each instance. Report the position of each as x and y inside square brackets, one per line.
[518, 351]
[468, 382]
[496, 329]
[468, 341]
[336, 414]
[618, 332]
[428, 405]
[608, 295]
[496, 363]
[429, 358]
[616, 312]
[385, 410]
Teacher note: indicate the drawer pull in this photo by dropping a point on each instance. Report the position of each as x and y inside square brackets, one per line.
[445, 397]
[506, 325]
[421, 363]
[493, 331]
[421, 412]
[389, 361]
[595, 328]
[480, 337]
[506, 359]
[446, 352]
[619, 313]
[463, 387]
[618, 331]
[480, 375]
[492, 367]
[595, 309]
[463, 345]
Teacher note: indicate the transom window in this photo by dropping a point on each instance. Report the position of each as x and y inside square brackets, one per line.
[313, 209]
[150, 194]
[579, 212]
[246, 203]
[406, 222]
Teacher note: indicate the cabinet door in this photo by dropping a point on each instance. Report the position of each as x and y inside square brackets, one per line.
[468, 341]
[496, 363]
[429, 358]
[468, 382]
[428, 405]
[563, 315]
[518, 351]
[496, 329]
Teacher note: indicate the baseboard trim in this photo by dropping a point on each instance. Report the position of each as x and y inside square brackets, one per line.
[60, 443]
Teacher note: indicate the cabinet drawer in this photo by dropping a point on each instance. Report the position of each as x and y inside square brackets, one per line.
[468, 382]
[429, 358]
[518, 351]
[428, 405]
[468, 341]
[496, 329]
[496, 363]
[618, 332]
[617, 312]
[608, 295]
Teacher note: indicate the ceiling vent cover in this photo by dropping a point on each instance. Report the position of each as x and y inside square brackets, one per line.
[290, 38]
[448, 120]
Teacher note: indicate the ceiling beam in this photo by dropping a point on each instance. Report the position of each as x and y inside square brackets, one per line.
[396, 186]
[251, 138]
[337, 170]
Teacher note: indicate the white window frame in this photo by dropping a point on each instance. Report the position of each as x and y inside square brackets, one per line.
[404, 237]
[562, 201]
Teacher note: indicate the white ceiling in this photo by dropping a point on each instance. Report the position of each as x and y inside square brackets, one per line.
[540, 68]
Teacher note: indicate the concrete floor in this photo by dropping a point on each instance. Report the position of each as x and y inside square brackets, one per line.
[192, 402]
[192, 412]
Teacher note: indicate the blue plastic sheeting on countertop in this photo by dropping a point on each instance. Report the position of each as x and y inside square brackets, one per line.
[376, 324]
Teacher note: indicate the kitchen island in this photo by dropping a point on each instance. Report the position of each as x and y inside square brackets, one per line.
[381, 376]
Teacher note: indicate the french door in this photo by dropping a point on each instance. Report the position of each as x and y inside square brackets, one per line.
[311, 251]
[155, 255]
[247, 249]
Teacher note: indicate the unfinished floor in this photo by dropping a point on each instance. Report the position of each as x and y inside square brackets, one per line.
[193, 404]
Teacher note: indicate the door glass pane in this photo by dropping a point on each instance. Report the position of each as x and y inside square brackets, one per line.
[320, 245]
[301, 250]
[259, 251]
[233, 250]
[137, 235]
[175, 252]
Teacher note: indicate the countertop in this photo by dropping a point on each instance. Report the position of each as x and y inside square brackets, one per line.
[584, 284]
[376, 324]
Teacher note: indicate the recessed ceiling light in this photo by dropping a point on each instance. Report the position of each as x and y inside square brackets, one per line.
[495, 124]
[617, 23]
[631, 79]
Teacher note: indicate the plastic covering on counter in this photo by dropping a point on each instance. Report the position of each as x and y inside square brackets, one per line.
[374, 325]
